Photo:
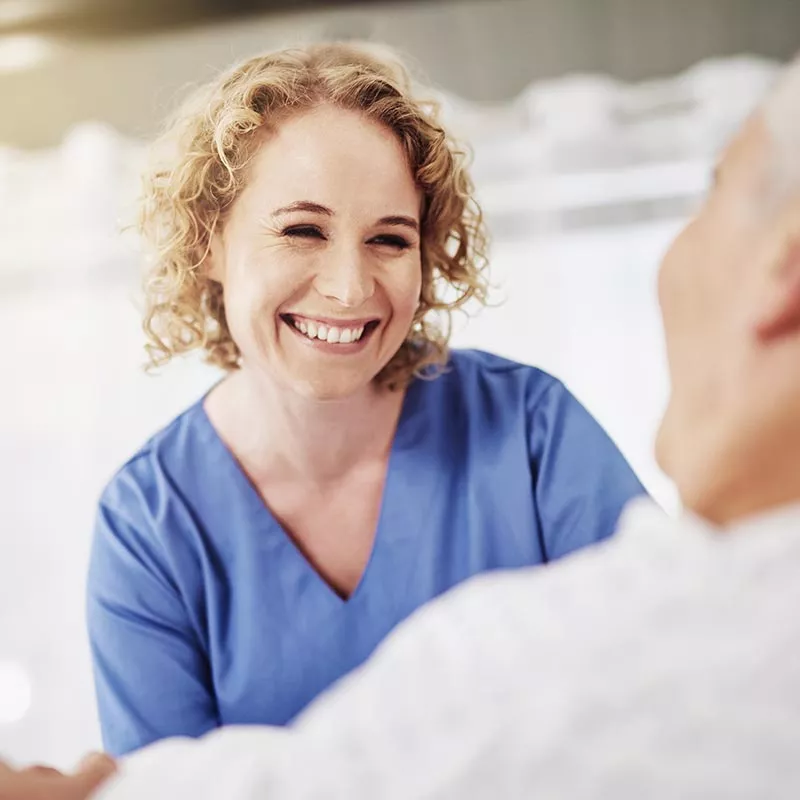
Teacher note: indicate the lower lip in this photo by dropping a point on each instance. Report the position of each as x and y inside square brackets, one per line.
[337, 349]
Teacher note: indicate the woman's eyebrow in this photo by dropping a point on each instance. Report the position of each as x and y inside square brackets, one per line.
[408, 222]
[303, 205]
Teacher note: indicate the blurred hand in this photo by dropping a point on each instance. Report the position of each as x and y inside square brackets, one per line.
[45, 783]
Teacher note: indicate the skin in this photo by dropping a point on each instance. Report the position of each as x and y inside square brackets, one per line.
[730, 299]
[326, 231]
[44, 783]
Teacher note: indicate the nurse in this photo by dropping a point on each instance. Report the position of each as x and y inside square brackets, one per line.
[308, 221]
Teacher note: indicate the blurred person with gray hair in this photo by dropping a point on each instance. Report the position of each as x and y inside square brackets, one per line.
[664, 663]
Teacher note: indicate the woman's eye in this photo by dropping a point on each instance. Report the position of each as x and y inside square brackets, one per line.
[398, 242]
[303, 232]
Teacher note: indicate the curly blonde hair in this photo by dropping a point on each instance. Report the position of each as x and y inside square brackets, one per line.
[199, 169]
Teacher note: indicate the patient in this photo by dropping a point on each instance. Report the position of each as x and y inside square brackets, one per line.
[662, 664]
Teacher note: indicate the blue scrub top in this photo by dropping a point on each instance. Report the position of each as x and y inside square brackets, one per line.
[202, 612]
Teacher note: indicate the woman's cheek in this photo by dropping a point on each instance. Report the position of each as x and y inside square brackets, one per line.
[408, 288]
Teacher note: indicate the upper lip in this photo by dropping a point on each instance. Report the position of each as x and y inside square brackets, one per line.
[333, 323]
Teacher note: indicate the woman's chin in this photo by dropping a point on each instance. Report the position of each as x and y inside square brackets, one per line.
[331, 372]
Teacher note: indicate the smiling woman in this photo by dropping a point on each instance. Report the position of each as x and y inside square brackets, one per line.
[307, 216]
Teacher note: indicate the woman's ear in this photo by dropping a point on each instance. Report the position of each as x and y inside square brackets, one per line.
[781, 314]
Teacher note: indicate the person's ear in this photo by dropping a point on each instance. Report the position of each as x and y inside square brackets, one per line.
[780, 316]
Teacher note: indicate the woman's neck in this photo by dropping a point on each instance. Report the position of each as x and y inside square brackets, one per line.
[277, 433]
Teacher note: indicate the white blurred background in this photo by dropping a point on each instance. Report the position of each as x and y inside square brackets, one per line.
[594, 123]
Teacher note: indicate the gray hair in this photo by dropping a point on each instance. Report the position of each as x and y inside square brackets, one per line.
[781, 114]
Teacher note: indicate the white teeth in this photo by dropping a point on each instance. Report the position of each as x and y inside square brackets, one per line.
[333, 335]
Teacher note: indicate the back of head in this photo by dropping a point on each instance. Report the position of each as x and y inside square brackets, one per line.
[730, 299]
[200, 167]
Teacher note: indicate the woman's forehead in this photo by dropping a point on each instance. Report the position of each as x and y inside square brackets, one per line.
[327, 157]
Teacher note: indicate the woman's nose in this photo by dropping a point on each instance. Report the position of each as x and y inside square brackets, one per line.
[347, 278]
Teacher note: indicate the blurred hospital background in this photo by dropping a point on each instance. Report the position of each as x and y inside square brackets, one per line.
[594, 123]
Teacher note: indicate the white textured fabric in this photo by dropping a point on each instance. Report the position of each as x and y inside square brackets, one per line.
[662, 664]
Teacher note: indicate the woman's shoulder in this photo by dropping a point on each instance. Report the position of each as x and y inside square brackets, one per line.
[150, 471]
[477, 385]
[143, 521]
[495, 373]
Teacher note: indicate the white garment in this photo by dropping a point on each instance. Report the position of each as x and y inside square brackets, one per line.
[664, 663]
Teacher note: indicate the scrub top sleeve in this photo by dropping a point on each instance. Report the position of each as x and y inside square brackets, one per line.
[152, 676]
[581, 480]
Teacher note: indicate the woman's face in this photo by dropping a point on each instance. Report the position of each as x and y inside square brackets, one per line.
[319, 257]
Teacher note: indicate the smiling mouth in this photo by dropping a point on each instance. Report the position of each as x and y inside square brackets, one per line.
[331, 334]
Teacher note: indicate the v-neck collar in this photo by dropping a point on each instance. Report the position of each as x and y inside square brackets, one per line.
[394, 501]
